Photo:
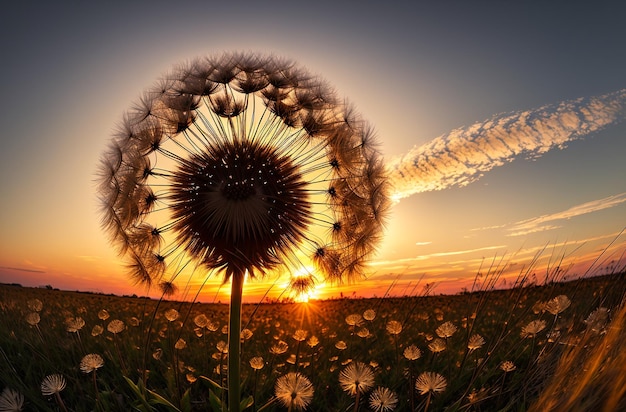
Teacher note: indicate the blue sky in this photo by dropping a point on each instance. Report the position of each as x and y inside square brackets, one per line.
[416, 72]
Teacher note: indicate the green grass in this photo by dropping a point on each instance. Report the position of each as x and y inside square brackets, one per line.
[148, 367]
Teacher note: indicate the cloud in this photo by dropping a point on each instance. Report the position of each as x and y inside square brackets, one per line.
[538, 224]
[463, 155]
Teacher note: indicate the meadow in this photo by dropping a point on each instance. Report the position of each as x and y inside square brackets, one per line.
[554, 346]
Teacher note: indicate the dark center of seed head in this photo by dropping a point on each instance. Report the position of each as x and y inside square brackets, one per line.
[238, 190]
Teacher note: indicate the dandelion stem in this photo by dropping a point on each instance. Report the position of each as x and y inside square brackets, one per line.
[234, 345]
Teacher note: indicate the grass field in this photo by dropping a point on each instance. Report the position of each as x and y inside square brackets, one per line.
[558, 346]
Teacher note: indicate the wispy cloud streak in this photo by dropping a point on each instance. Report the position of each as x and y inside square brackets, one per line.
[538, 224]
[463, 155]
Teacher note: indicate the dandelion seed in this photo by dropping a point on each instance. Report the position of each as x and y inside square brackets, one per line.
[52, 384]
[35, 305]
[279, 348]
[475, 342]
[383, 400]
[103, 314]
[369, 315]
[11, 400]
[533, 328]
[294, 390]
[171, 314]
[116, 326]
[508, 366]
[257, 363]
[97, 330]
[33, 318]
[412, 352]
[558, 304]
[430, 382]
[91, 362]
[355, 378]
[437, 345]
[354, 319]
[394, 327]
[446, 330]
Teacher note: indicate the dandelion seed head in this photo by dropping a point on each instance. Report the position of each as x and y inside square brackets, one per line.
[356, 377]
[597, 320]
[35, 305]
[313, 341]
[180, 344]
[394, 327]
[279, 348]
[354, 319]
[11, 400]
[116, 326]
[341, 345]
[257, 363]
[171, 314]
[369, 315]
[430, 382]
[437, 345]
[557, 304]
[363, 333]
[300, 335]
[294, 390]
[475, 342]
[33, 318]
[412, 352]
[383, 400]
[242, 193]
[91, 362]
[533, 328]
[103, 314]
[508, 366]
[97, 330]
[446, 330]
[201, 320]
[52, 384]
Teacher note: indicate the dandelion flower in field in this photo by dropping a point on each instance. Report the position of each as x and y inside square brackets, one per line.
[383, 399]
[300, 335]
[171, 314]
[369, 315]
[475, 342]
[341, 345]
[294, 391]
[394, 327]
[446, 330]
[257, 363]
[437, 345]
[11, 400]
[430, 382]
[91, 362]
[74, 324]
[240, 165]
[116, 326]
[201, 320]
[355, 378]
[533, 328]
[279, 348]
[52, 384]
[313, 341]
[508, 366]
[103, 314]
[33, 318]
[97, 330]
[412, 352]
[35, 305]
[180, 344]
[558, 304]
[354, 319]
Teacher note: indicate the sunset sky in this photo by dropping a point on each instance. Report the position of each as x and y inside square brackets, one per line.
[513, 114]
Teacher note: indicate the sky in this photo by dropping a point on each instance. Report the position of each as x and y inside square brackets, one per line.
[501, 123]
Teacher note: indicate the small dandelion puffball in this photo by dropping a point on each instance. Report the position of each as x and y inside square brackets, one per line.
[558, 304]
[243, 164]
[533, 328]
[394, 327]
[430, 382]
[383, 400]
[52, 384]
[11, 400]
[356, 378]
[116, 326]
[508, 366]
[412, 352]
[91, 362]
[446, 330]
[475, 342]
[294, 391]
[257, 363]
